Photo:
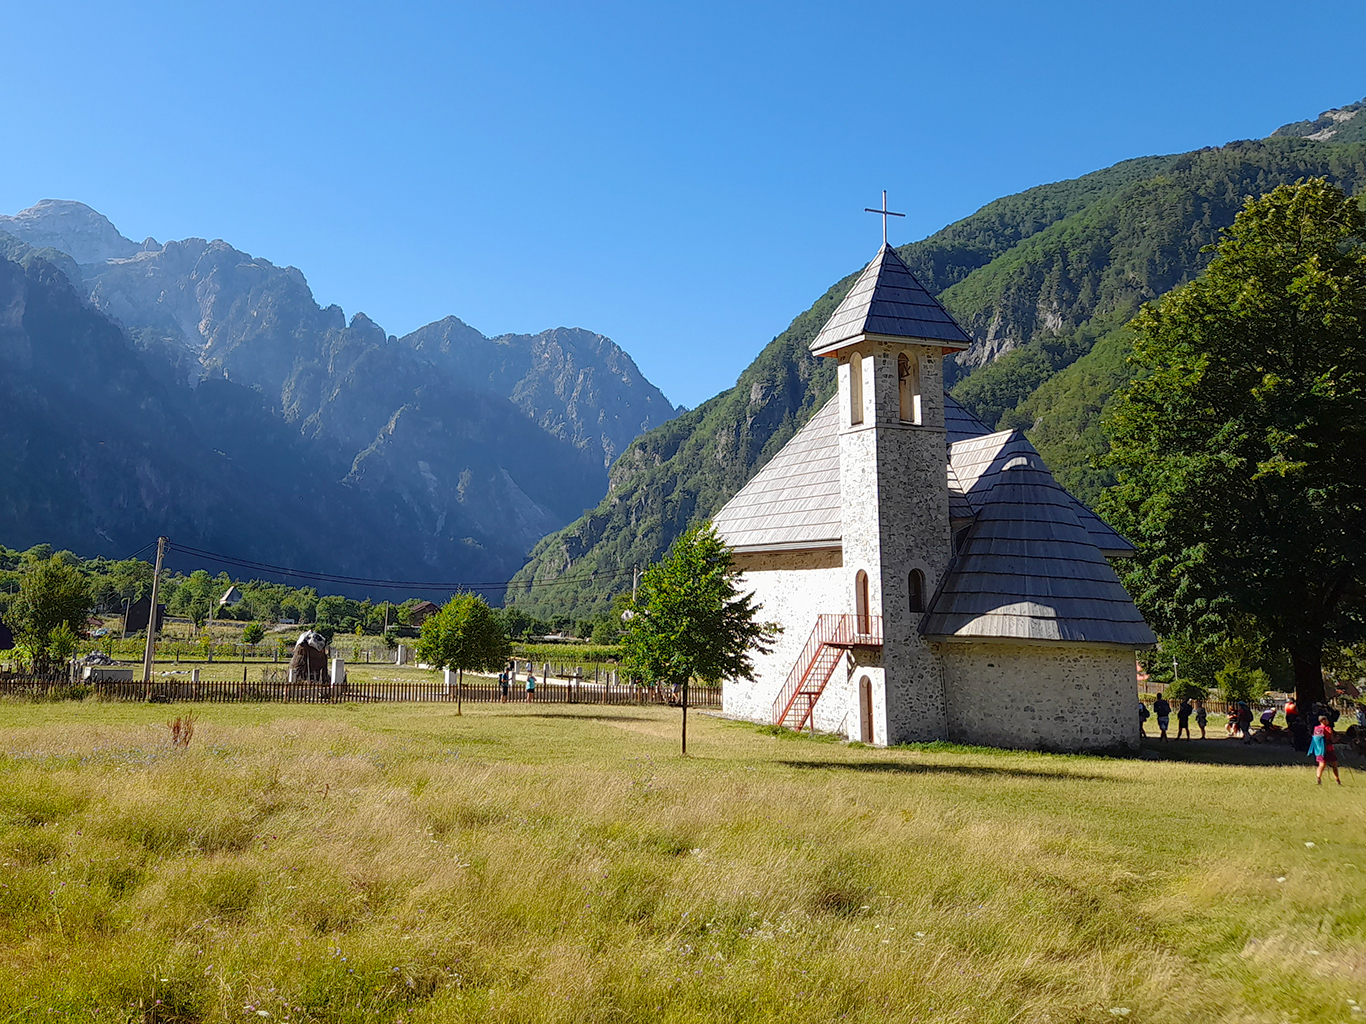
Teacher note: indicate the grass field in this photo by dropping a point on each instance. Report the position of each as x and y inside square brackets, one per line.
[399, 863]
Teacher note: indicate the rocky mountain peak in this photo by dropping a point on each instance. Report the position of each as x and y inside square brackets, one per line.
[86, 235]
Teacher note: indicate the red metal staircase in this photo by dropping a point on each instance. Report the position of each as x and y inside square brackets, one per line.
[830, 638]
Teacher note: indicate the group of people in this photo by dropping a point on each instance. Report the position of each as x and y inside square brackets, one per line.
[509, 675]
[1310, 732]
[1184, 714]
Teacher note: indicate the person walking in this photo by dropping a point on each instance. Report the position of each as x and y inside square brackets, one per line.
[1201, 717]
[1321, 749]
[1298, 724]
[530, 687]
[1143, 713]
[1245, 721]
[1183, 718]
[504, 685]
[1163, 711]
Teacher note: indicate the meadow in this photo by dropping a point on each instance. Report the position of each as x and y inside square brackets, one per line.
[565, 864]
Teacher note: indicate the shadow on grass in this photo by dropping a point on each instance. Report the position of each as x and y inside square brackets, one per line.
[980, 771]
[564, 715]
[1218, 750]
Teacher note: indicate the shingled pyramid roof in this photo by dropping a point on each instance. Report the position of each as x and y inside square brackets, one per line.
[975, 464]
[888, 302]
[1029, 571]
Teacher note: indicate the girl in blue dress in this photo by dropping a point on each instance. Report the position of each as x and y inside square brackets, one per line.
[1321, 749]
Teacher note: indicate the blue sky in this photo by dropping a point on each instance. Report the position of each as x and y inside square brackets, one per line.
[684, 178]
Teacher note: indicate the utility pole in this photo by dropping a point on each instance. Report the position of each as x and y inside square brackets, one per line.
[635, 578]
[152, 618]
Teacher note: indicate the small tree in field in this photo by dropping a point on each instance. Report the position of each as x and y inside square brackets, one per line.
[254, 633]
[464, 635]
[691, 621]
[49, 612]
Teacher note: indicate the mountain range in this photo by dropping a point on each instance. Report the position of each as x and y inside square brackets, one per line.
[192, 389]
[1044, 282]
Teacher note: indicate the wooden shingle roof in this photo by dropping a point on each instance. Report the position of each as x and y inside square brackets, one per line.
[976, 464]
[888, 302]
[1029, 571]
[794, 501]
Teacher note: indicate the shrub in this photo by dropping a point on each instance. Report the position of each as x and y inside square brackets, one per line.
[1237, 682]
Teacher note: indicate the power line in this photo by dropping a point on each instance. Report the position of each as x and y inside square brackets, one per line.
[138, 552]
[390, 584]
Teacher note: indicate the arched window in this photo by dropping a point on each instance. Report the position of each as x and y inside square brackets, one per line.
[855, 388]
[917, 587]
[908, 387]
[861, 601]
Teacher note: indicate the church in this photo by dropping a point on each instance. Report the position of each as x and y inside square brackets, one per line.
[933, 581]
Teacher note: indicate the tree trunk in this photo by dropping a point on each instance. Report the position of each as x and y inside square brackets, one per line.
[1308, 678]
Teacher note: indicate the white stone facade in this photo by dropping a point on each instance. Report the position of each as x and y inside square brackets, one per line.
[793, 596]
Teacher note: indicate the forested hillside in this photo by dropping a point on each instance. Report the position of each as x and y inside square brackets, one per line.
[1044, 281]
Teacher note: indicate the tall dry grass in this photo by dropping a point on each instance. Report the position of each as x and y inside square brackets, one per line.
[563, 864]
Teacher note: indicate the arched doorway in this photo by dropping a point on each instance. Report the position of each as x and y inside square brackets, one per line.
[865, 709]
[861, 601]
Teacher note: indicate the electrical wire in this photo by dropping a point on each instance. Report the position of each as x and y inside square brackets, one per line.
[139, 551]
[389, 584]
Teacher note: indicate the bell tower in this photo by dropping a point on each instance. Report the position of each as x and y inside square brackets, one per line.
[889, 336]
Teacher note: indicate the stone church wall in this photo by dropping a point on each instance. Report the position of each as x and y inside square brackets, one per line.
[793, 597]
[1057, 697]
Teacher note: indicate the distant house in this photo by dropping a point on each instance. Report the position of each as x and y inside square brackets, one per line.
[231, 598]
[421, 613]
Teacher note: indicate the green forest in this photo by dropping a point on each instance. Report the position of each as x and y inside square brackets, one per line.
[110, 583]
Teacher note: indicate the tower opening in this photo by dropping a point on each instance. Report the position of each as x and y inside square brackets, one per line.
[855, 388]
[861, 601]
[908, 387]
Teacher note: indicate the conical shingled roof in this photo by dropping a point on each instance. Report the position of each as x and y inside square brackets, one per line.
[888, 301]
[1029, 571]
[975, 465]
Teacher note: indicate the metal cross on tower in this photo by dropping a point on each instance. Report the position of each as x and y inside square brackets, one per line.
[885, 214]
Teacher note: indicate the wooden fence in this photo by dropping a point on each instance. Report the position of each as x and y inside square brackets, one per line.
[269, 688]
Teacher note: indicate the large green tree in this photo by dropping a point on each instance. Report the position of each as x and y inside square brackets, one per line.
[464, 635]
[50, 610]
[1239, 450]
[690, 620]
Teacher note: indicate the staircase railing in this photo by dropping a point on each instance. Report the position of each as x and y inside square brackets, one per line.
[830, 637]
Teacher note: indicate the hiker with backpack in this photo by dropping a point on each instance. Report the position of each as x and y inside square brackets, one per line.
[1163, 711]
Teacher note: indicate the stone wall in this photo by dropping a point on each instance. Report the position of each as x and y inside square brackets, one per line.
[793, 597]
[1057, 697]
